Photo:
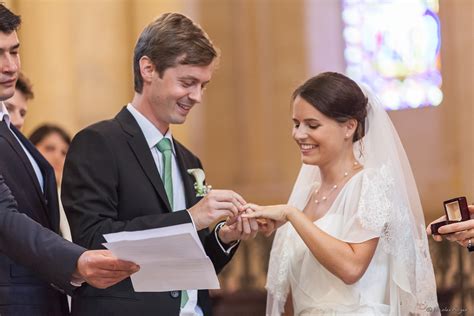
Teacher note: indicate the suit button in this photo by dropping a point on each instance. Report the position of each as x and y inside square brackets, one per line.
[174, 294]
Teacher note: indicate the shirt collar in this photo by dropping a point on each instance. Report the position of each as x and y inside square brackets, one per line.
[4, 114]
[151, 133]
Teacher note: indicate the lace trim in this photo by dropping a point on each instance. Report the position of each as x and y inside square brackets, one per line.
[278, 284]
[376, 199]
[380, 211]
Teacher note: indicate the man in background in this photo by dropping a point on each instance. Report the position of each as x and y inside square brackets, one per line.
[32, 254]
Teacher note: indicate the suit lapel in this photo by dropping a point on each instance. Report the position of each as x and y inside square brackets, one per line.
[7, 134]
[142, 152]
[49, 185]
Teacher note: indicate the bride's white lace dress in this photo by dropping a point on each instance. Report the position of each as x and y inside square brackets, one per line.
[381, 201]
[314, 289]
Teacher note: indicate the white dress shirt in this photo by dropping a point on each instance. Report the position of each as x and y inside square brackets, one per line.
[153, 136]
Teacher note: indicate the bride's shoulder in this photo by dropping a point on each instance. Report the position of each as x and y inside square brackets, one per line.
[383, 170]
[380, 177]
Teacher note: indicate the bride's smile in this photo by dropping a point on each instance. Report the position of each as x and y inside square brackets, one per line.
[320, 139]
[306, 148]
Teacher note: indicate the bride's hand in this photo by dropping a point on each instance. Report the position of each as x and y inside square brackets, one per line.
[266, 226]
[276, 213]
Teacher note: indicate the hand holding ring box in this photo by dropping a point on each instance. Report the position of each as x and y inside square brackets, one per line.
[456, 211]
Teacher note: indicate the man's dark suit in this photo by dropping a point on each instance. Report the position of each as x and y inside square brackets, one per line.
[23, 291]
[111, 184]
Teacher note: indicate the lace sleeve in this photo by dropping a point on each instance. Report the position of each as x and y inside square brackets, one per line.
[376, 199]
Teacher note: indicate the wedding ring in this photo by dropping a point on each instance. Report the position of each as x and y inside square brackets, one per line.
[470, 246]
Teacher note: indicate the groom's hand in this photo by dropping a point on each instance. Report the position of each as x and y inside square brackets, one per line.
[217, 204]
[238, 228]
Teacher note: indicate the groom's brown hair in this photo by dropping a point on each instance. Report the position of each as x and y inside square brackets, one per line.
[170, 40]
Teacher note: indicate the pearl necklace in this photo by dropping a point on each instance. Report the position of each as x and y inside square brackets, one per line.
[355, 166]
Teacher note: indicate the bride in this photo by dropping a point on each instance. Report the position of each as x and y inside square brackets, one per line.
[352, 238]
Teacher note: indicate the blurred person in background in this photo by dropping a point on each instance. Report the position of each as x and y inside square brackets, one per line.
[53, 143]
[17, 105]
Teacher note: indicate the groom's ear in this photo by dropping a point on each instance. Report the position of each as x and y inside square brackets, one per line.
[147, 67]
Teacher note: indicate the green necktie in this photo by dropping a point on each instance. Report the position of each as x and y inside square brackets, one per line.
[164, 146]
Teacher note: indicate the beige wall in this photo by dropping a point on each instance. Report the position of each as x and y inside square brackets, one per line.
[245, 137]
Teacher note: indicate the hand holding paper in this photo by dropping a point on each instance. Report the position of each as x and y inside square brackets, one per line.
[170, 258]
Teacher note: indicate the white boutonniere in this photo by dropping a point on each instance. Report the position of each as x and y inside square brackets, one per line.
[199, 186]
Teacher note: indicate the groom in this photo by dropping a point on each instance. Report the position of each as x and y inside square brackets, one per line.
[129, 173]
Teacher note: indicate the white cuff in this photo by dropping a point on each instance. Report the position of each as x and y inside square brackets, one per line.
[192, 220]
[77, 283]
[234, 244]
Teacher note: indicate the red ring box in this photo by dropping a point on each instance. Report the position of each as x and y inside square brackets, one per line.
[456, 211]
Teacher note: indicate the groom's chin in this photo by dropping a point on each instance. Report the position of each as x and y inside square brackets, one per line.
[178, 119]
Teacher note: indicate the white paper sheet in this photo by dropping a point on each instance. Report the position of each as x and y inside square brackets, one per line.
[170, 258]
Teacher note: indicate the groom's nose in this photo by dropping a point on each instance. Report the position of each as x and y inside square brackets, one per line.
[196, 94]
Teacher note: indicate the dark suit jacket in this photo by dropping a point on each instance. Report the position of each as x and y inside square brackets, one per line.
[111, 184]
[30, 255]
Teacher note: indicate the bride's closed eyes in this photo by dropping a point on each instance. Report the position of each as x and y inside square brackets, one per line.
[312, 124]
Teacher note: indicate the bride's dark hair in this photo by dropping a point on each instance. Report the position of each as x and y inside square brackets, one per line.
[336, 96]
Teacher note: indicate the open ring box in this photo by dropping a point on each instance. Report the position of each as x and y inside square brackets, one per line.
[456, 211]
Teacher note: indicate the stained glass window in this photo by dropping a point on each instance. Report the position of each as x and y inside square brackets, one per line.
[394, 47]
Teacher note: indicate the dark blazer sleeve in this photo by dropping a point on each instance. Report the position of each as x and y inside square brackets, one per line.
[99, 196]
[34, 246]
[215, 253]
